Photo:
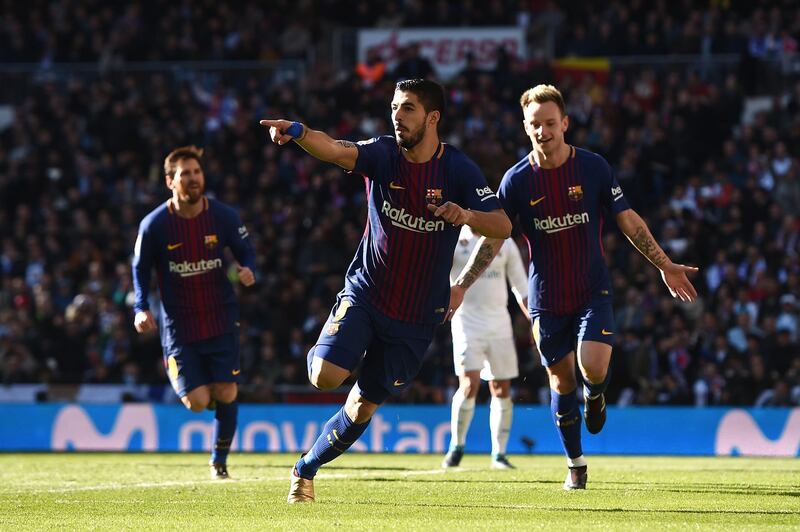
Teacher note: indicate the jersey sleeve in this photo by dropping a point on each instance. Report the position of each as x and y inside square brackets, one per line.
[371, 153]
[506, 197]
[515, 270]
[142, 265]
[611, 195]
[475, 194]
[239, 241]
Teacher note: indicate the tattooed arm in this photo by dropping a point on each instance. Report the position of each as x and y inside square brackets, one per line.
[673, 275]
[639, 234]
[317, 143]
[484, 253]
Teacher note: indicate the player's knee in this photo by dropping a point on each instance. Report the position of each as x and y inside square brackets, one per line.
[225, 393]
[500, 389]
[325, 381]
[196, 405]
[594, 375]
[470, 391]
[469, 384]
[325, 375]
[197, 400]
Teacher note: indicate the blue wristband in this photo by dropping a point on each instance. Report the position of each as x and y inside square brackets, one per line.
[295, 130]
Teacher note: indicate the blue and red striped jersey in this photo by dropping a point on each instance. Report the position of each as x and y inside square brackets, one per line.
[561, 213]
[402, 266]
[197, 299]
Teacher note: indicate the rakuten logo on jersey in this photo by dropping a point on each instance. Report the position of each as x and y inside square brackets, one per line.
[189, 269]
[554, 225]
[400, 218]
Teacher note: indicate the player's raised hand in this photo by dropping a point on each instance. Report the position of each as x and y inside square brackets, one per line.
[246, 276]
[456, 298]
[451, 212]
[144, 322]
[278, 130]
[675, 277]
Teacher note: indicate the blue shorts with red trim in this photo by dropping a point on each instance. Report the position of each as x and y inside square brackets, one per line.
[393, 351]
[557, 335]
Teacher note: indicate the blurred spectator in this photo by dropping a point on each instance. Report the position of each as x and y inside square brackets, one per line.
[372, 70]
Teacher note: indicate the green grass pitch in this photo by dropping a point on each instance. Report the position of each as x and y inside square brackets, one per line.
[394, 492]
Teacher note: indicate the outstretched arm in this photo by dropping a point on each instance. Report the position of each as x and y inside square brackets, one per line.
[340, 152]
[485, 251]
[674, 275]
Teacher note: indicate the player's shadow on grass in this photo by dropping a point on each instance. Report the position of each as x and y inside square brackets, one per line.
[449, 480]
[287, 465]
[235, 465]
[702, 488]
[517, 507]
[609, 486]
[367, 469]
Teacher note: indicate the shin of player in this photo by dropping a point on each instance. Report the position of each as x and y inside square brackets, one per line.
[184, 238]
[419, 190]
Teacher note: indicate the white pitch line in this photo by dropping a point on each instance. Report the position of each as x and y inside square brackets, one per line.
[213, 482]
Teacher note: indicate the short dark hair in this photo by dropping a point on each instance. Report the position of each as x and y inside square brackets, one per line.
[430, 93]
[179, 154]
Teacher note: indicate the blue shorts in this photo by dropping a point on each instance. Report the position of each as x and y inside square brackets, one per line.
[557, 335]
[393, 350]
[200, 363]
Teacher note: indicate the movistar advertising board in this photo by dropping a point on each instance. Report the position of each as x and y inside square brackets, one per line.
[414, 429]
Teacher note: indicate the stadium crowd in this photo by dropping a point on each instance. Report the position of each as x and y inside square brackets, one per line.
[81, 156]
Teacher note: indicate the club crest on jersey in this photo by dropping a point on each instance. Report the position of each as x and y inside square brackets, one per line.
[211, 241]
[433, 196]
[575, 193]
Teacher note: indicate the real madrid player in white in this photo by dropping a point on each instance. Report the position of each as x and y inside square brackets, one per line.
[483, 344]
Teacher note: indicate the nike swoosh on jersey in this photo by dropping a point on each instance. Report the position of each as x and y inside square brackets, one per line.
[236, 372]
[398, 382]
[536, 202]
[394, 186]
[606, 333]
[171, 247]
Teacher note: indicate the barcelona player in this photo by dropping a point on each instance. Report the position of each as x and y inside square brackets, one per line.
[397, 288]
[184, 238]
[561, 195]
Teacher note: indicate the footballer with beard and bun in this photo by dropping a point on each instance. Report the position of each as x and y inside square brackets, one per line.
[185, 238]
[397, 288]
